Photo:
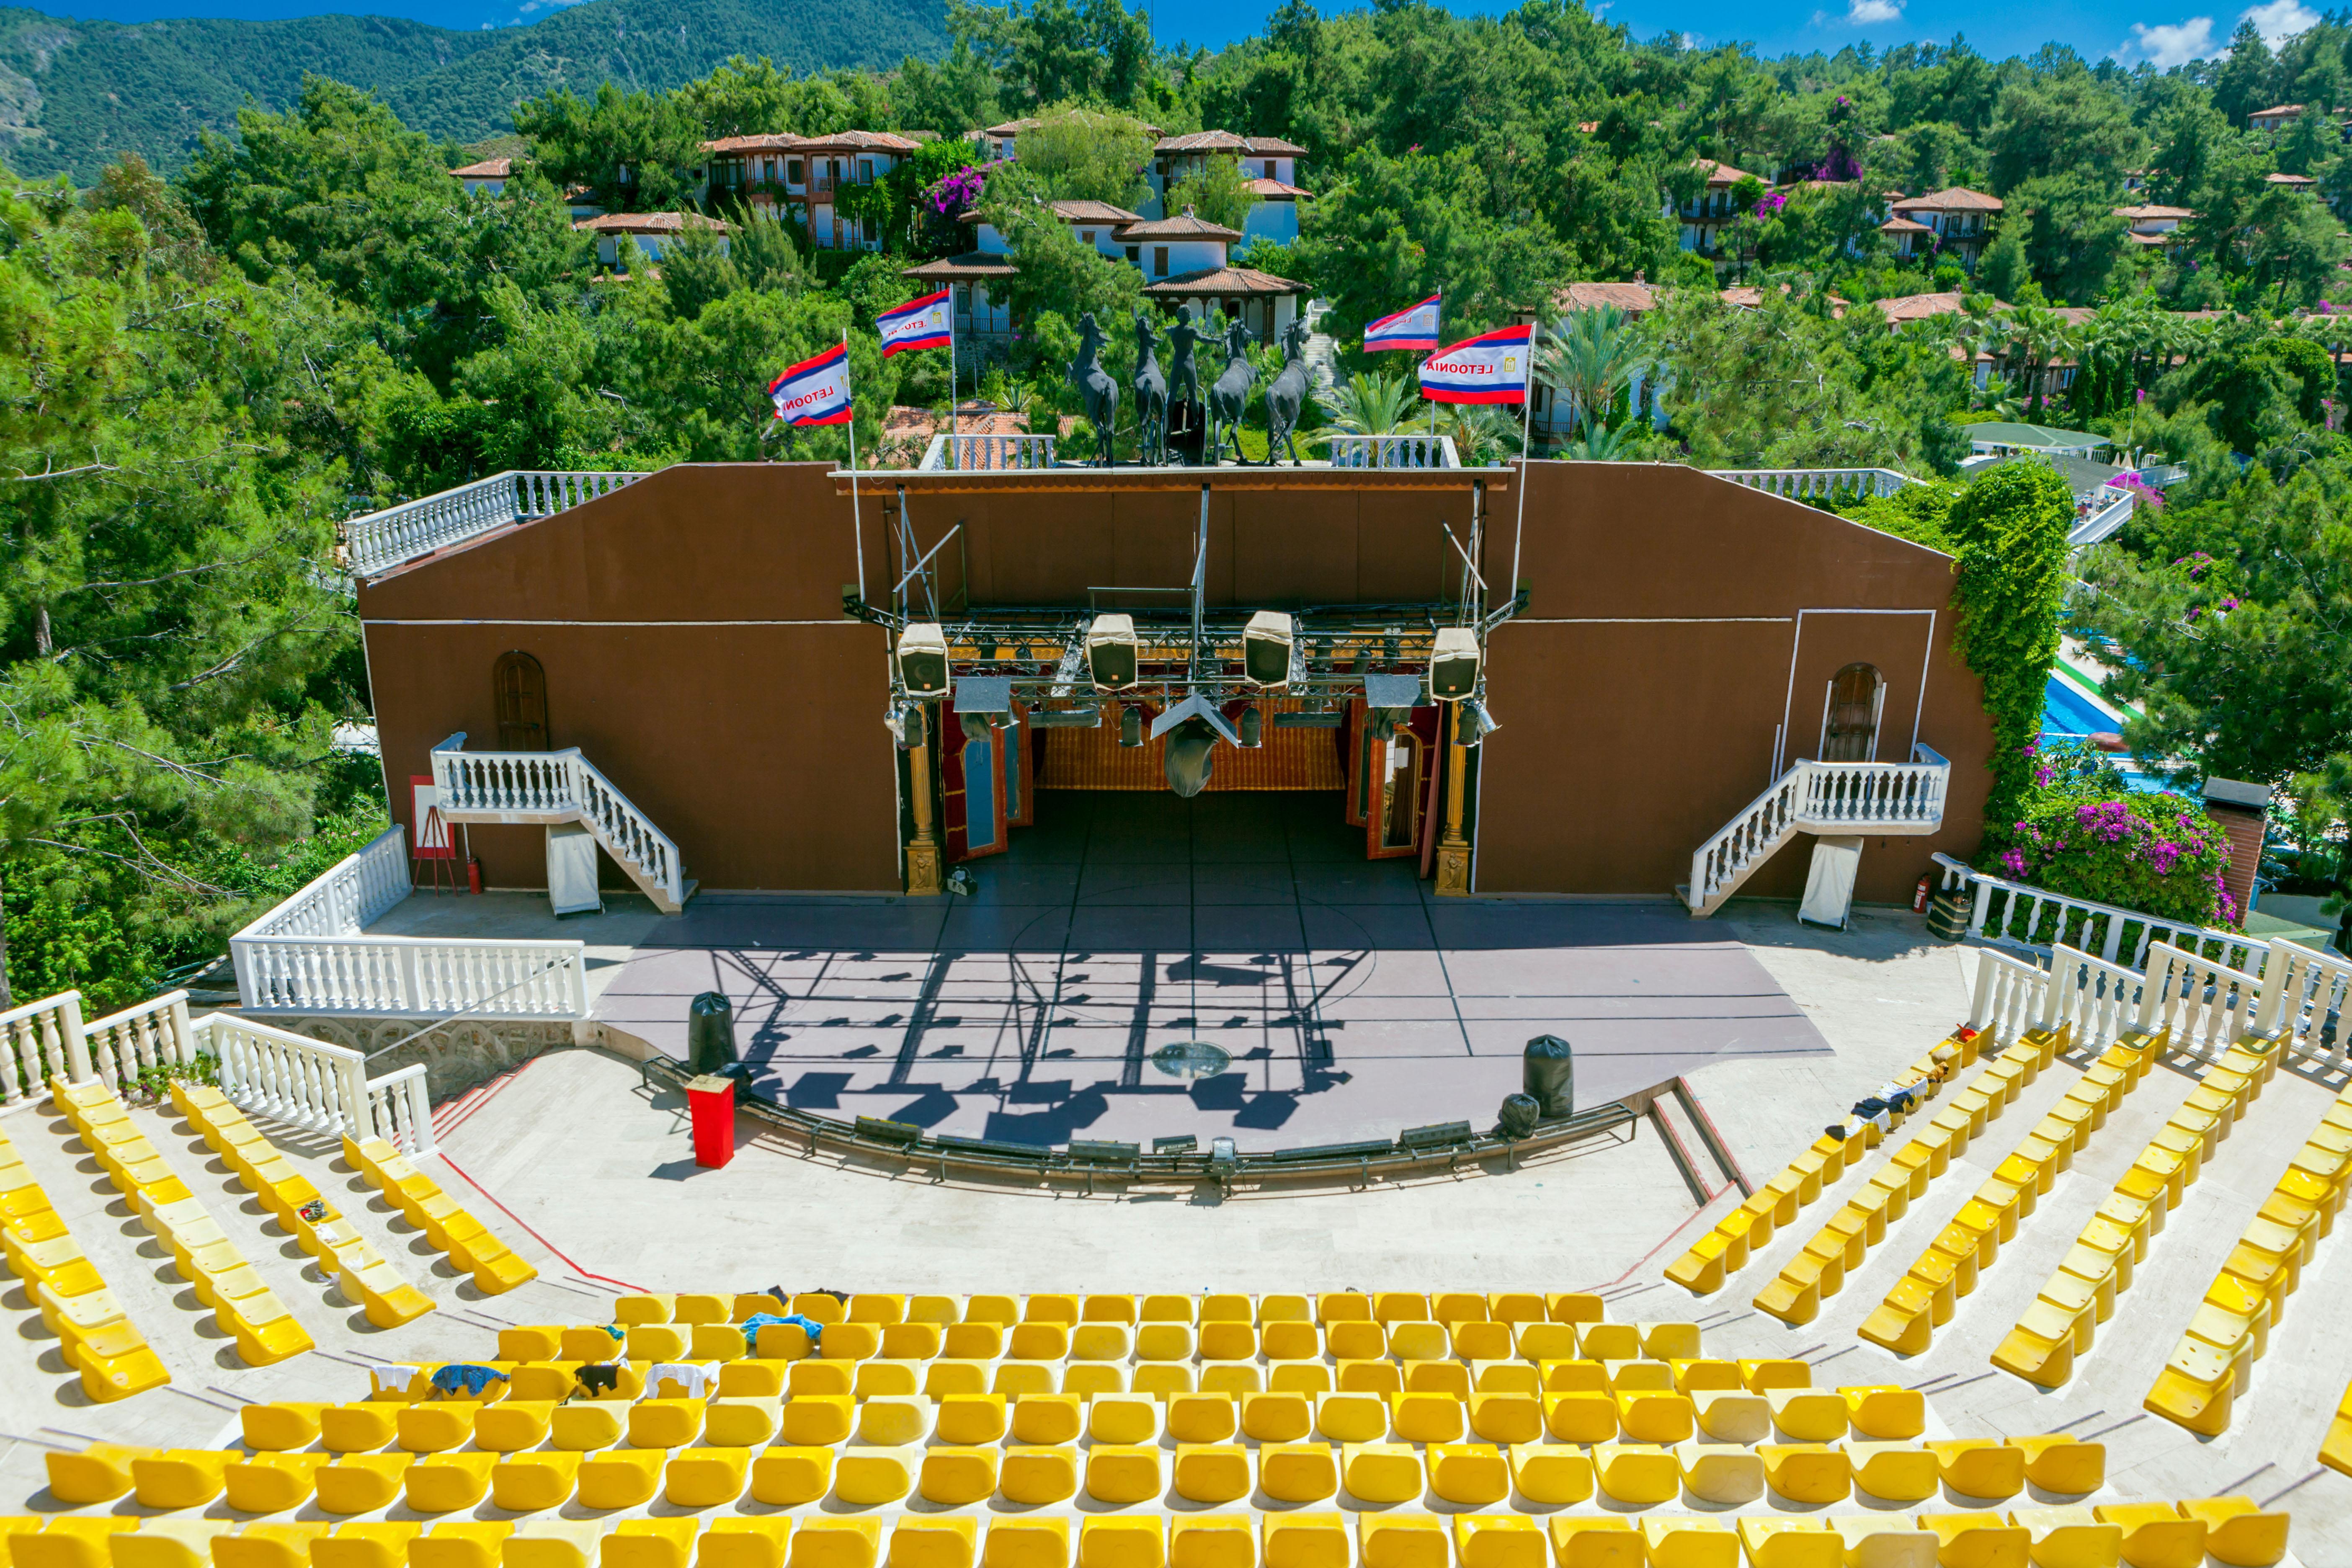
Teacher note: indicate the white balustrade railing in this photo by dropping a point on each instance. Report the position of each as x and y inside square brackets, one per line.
[400, 1112]
[1398, 449]
[2036, 918]
[2113, 509]
[2202, 1007]
[2306, 1002]
[1846, 798]
[348, 896]
[2096, 1002]
[2012, 996]
[948, 451]
[556, 784]
[378, 540]
[1801, 484]
[299, 1081]
[39, 1041]
[155, 1032]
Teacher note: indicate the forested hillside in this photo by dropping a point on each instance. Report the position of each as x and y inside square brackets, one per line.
[75, 95]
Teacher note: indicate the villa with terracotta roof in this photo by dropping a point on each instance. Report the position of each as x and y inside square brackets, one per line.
[762, 171]
[623, 239]
[1269, 163]
[1705, 215]
[2154, 227]
[1959, 220]
[487, 178]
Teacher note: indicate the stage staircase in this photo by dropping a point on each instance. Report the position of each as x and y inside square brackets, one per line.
[1833, 799]
[554, 787]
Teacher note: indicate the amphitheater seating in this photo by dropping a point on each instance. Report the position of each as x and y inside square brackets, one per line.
[468, 1243]
[2231, 1328]
[2335, 1452]
[359, 1271]
[1724, 1251]
[2060, 1324]
[1818, 1271]
[244, 1308]
[97, 1339]
[1948, 1267]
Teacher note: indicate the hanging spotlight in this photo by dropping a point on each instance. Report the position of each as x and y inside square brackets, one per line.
[1454, 664]
[923, 660]
[1251, 725]
[1191, 755]
[905, 722]
[1130, 725]
[1475, 723]
[1113, 651]
[1265, 649]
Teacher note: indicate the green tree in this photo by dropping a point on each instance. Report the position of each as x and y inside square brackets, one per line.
[636, 152]
[1217, 190]
[2012, 527]
[1058, 274]
[960, 93]
[1087, 155]
[2006, 270]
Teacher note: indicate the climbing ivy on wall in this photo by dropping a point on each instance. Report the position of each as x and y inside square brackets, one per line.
[2009, 529]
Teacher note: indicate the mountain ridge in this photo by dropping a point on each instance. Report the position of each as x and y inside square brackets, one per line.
[75, 95]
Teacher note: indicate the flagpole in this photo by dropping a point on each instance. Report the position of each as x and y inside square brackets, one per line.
[1527, 425]
[857, 522]
[954, 428]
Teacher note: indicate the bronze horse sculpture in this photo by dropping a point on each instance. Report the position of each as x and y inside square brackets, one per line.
[1229, 398]
[1285, 395]
[1098, 390]
[1151, 389]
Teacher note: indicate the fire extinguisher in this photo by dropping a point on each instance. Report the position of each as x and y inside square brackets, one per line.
[1918, 895]
[474, 874]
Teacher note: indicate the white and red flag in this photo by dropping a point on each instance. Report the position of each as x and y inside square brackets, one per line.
[815, 390]
[1489, 368]
[917, 324]
[1412, 328]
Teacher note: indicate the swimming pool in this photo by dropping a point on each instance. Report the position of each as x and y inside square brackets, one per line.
[2067, 709]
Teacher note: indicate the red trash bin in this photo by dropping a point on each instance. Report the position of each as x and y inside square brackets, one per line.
[710, 1102]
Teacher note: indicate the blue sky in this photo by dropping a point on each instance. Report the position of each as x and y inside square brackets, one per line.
[2166, 32]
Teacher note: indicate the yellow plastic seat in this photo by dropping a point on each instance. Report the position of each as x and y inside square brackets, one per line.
[2067, 1465]
[279, 1425]
[179, 1478]
[933, 1541]
[1497, 1541]
[1123, 1473]
[1720, 1472]
[706, 1477]
[890, 1421]
[361, 1483]
[1981, 1467]
[2155, 1534]
[2069, 1537]
[743, 1541]
[99, 1473]
[1605, 1541]
[1381, 1472]
[1894, 1472]
[834, 1540]
[1425, 1418]
[1790, 1543]
[1470, 1474]
[272, 1482]
[528, 1482]
[863, 1478]
[1037, 1541]
[1123, 1542]
[1809, 1416]
[435, 1428]
[1038, 1475]
[955, 1476]
[1208, 1472]
[1732, 1415]
[1636, 1473]
[961, 1418]
[447, 1483]
[1297, 1472]
[359, 1428]
[1401, 1540]
[1808, 1472]
[2239, 1533]
[1212, 1541]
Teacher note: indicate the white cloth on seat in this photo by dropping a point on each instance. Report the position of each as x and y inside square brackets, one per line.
[693, 1378]
[392, 1379]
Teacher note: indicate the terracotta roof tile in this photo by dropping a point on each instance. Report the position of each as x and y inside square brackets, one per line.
[487, 169]
[1184, 225]
[1956, 199]
[1223, 281]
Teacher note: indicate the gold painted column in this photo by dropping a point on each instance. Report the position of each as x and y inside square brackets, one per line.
[1453, 849]
[923, 853]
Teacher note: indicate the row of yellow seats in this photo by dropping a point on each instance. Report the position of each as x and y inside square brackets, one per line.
[1795, 1294]
[98, 1341]
[244, 1308]
[446, 1223]
[884, 1307]
[365, 1276]
[1724, 1251]
[1735, 1416]
[1925, 1296]
[1423, 1340]
[2231, 1327]
[1369, 1469]
[2335, 1448]
[2081, 1293]
[2229, 1530]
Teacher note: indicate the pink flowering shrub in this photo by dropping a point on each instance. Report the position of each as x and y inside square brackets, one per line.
[2082, 834]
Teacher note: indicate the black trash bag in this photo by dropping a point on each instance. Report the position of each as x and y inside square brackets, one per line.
[1548, 1072]
[709, 1034]
[1519, 1116]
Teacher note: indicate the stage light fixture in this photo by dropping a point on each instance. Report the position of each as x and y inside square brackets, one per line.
[1130, 725]
[1252, 726]
[1113, 652]
[905, 722]
[1265, 649]
[1477, 722]
[1453, 662]
[1191, 756]
[923, 661]
[1066, 718]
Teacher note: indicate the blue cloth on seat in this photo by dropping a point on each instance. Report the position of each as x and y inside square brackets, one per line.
[472, 1379]
[758, 1321]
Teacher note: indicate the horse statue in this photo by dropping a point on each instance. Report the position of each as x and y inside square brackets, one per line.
[1150, 388]
[1285, 395]
[1230, 396]
[1097, 391]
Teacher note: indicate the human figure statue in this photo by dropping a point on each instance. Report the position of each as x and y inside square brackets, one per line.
[1098, 392]
[1184, 374]
[1285, 395]
[1229, 398]
[1150, 388]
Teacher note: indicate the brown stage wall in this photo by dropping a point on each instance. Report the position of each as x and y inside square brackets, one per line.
[691, 632]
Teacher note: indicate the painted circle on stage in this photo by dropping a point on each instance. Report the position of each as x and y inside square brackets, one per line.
[1192, 1059]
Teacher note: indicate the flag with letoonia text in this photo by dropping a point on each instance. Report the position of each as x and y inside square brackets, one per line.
[815, 390]
[917, 324]
[1414, 327]
[1489, 368]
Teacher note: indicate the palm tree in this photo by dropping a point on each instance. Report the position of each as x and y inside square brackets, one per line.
[1589, 356]
[1375, 403]
[1483, 433]
[1598, 443]
[2036, 336]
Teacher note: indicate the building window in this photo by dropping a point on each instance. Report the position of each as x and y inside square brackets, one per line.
[1160, 261]
[1269, 168]
[1850, 726]
[519, 688]
[1132, 251]
[793, 171]
[866, 171]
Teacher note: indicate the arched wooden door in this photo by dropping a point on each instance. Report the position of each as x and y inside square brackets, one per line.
[1857, 695]
[519, 685]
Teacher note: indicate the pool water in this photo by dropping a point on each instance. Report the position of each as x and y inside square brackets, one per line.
[2068, 713]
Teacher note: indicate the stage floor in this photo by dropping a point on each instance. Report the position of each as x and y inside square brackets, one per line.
[1350, 1001]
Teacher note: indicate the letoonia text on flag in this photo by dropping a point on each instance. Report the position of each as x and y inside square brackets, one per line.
[1414, 327]
[917, 324]
[1489, 368]
[815, 390]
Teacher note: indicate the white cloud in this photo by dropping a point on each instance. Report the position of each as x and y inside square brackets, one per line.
[2165, 47]
[2280, 20]
[1869, 13]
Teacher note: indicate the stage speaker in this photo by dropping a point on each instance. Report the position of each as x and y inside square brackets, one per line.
[923, 660]
[1113, 651]
[1191, 754]
[1265, 649]
[1454, 664]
